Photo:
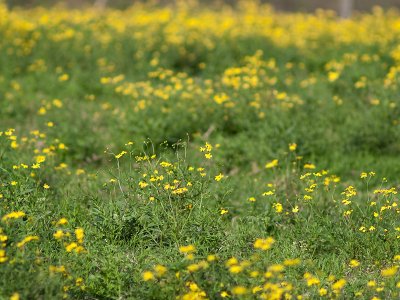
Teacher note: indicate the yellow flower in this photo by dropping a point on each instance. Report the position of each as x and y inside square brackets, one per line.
[219, 177]
[63, 77]
[354, 263]
[57, 103]
[211, 257]
[235, 269]
[14, 296]
[71, 246]
[323, 291]
[46, 186]
[3, 257]
[333, 76]
[120, 154]
[187, 249]
[224, 294]
[292, 147]
[231, 262]
[59, 234]
[160, 270]
[338, 285]
[62, 221]
[13, 215]
[223, 211]
[193, 268]
[278, 207]
[264, 244]
[311, 280]
[254, 274]
[309, 166]
[272, 164]
[371, 283]
[79, 233]
[252, 199]
[147, 275]
[143, 184]
[239, 290]
[26, 240]
[389, 272]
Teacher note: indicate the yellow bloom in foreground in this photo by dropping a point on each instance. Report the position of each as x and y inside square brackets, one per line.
[3, 257]
[272, 164]
[26, 240]
[354, 263]
[292, 146]
[223, 211]
[71, 246]
[120, 154]
[59, 234]
[252, 199]
[13, 215]
[63, 77]
[62, 221]
[211, 257]
[147, 276]
[187, 249]
[193, 268]
[323, 291]
[311, 280]
[278, 207]
[389, 272]
[264, 244]
[79, 233]
[239, 290]
[224, 294]
[333, 76]
[236, 269]
[231, 262]
[219, 177]
[143, 184]
[14, 296]
[371, 283]
[338, 285]
[160, 270]
[46, 186]
[309, 166]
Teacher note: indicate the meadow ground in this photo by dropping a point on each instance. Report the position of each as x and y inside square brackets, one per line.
[199, 153]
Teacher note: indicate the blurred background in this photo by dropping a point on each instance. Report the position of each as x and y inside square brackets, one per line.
[342, 7]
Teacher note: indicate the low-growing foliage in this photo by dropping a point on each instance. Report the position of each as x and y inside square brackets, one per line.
[192, 152]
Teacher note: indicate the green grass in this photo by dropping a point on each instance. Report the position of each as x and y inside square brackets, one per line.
[164, 95]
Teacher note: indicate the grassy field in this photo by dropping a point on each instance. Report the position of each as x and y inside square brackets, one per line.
[199, 153]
